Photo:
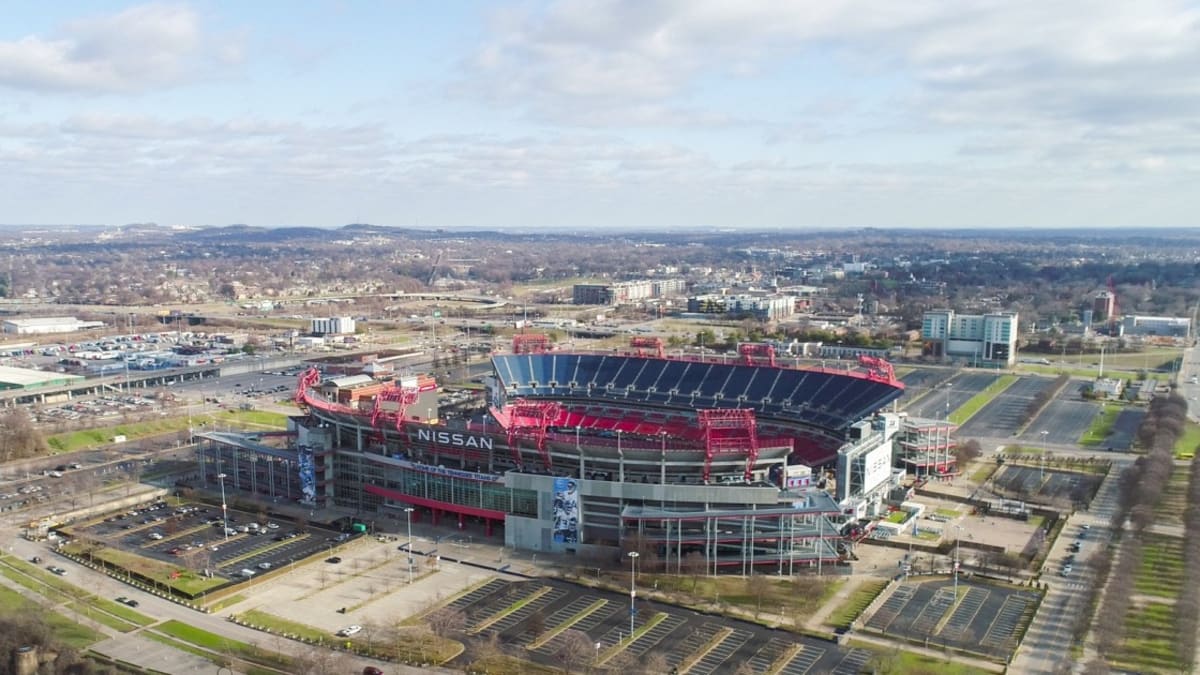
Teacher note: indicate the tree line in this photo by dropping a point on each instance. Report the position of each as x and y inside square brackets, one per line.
[1141, 489]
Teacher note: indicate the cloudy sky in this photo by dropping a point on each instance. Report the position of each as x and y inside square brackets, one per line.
[602, 114]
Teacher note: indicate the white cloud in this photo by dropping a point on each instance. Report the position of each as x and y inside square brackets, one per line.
[137, 49]
[1011, 73]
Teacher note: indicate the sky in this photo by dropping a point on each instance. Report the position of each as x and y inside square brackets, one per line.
[587, 115]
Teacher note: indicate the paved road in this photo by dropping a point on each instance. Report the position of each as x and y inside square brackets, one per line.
[1046, 647]
[163, 609]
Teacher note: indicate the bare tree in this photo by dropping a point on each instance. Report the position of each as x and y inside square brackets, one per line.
[446, 621]
[576, 650]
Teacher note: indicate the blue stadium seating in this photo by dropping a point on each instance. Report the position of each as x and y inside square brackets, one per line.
[827, 400]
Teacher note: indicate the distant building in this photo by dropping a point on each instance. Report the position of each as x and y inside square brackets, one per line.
[1157, 325]
[762, 307]
[1104, 304]
[48, 324]
[983, 339]
[334, 325]
[1108, 387]
[625, 292]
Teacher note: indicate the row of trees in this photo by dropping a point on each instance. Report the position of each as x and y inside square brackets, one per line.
[19, 438]
[1187, 605]
[1141, 489]
[1043, 397]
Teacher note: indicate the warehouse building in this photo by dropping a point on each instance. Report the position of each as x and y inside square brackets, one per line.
[26, 378]
[48, 324]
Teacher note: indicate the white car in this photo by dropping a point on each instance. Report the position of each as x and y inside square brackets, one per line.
[272, 526]
[350, 630]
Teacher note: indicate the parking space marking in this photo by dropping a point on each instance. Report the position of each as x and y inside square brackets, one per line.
[546, 599]
[853, 662]
[772, 651]
[721, 653]
[1000, 634]
[891, 608]
[559, 616]
[933, 611]
[964, 615]
[655, 635]
[696, 638]
[804, 661]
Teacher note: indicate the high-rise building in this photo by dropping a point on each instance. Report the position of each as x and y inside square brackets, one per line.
[980, 339]
[334, 325]
[1103, 305]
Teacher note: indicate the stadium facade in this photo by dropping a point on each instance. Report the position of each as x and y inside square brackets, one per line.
[684, 459]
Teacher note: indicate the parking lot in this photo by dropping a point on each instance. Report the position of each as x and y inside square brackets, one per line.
[1033, 483]
[194, 536]
[1065, 419]
[678, 638]
[949, 397]
[1006, 412]
[985, 618]
[1123, 429]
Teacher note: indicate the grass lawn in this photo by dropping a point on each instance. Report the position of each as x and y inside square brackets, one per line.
[783, 596]
[897, 517]
[967, 410]
[845, 615]
[1102, 425]
[284, 626]
[72, 441]
[188, 582]
[1161, 572]
[204, 639]
[73, 634]
[948, 513]
[902, 662]
[508, 665]
[980, 475]
[423, 645]
[1189, 440]
[1170, 508]
[1149, 645]
[227, 601]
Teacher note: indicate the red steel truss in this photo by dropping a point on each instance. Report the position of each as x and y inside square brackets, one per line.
[877, 368]
[729, 430]
[750, 350]
[643, 343]
[530, 420]
[403, 397]
[530, 343]
[308, 379]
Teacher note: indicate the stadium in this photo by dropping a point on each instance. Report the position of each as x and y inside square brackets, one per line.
[684, 459]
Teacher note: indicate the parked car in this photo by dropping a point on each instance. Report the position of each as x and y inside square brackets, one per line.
[371, 670]
[57, 570]
[127, 601]
[334, 560]
[36, 560]
[350, 630]
[264, 565]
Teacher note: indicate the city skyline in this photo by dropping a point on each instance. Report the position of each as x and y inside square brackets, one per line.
[601, 114]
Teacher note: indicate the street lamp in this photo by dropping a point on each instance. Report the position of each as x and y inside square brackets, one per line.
[408, 514]
[633, 556]
[1043, 434]
[224, 511]
[957, 540]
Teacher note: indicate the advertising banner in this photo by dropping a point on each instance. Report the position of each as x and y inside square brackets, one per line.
[566, 511]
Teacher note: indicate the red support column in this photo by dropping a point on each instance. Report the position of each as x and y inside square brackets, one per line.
[461, 525]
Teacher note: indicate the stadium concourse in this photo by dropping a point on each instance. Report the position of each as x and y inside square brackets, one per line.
[590, 453]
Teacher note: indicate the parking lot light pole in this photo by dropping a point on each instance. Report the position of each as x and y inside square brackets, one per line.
[1043, 434]
[957, 540]
[633, 556]
[224, 510]
[408, 514]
